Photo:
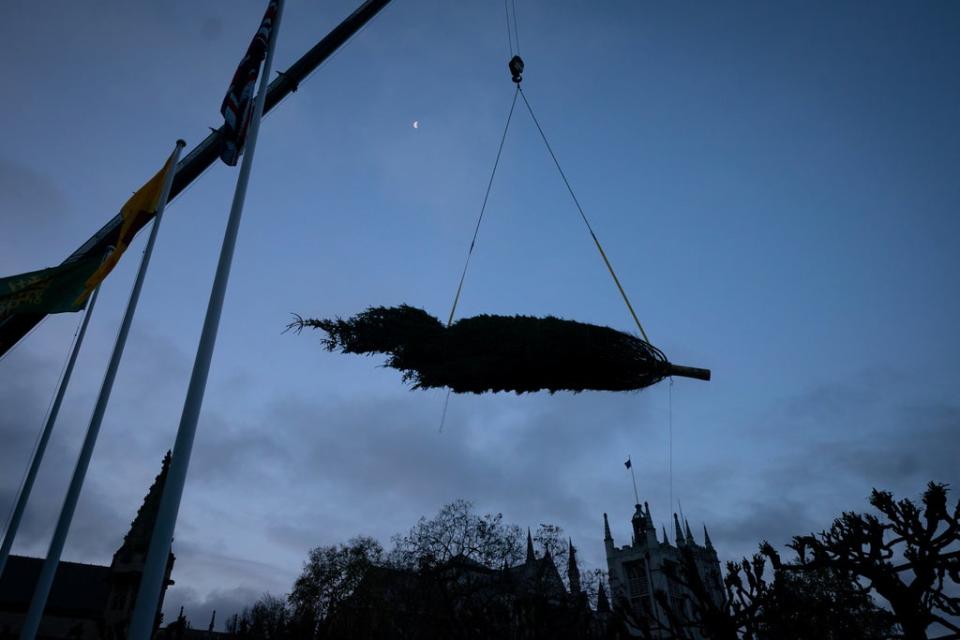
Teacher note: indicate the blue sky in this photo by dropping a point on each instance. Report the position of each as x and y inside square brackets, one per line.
[774, 182]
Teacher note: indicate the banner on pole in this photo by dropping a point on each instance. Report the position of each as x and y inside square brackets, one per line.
[55, 290]
[66, 287]
[237, 105]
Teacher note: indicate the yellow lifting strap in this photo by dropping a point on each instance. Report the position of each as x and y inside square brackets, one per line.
[623, 293]
[583, 216]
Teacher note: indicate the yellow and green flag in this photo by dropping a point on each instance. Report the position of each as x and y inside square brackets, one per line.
[53, 290]
[66, 287]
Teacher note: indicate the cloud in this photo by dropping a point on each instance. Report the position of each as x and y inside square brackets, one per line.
[21, 420]
[198, 608]
[826, 448]
[29, 198]
[298, 471]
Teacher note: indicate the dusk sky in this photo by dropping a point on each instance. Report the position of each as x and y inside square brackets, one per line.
[776, 184]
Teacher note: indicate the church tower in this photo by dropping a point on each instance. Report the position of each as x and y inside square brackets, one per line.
[636, 571]
[126, 568]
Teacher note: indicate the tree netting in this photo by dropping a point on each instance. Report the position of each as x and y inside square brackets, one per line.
[500, 353]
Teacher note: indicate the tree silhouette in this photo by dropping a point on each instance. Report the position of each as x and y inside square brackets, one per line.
[908, 556]
[904, 556]
[268, 619]
[457, 531]
[329, 577]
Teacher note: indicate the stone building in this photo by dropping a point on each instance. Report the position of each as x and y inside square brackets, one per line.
[637, 571]
[86, 601]
[461, 598]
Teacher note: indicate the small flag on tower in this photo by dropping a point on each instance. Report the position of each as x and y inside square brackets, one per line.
[238, 103]
[628, 464]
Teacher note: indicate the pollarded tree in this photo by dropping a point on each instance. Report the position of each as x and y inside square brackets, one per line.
[825, 603]
[907, 555]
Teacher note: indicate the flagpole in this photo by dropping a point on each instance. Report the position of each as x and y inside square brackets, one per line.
[154, 572]
[636, 494]
[42, 591]
[27, 487]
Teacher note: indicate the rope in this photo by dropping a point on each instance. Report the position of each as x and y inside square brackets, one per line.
[506, 10]
[23, 339]
[516, 26]
[670, 440]
[483, 208]
[476, 232]
[583, 216]
[36, 443]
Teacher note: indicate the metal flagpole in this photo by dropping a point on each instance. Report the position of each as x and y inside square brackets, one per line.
[154, 572]
[32, 622]
[15, 327]
[636, 494]
[44, 438]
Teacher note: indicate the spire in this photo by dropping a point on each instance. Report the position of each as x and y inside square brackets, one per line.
[648, 518]
[690, 539]
[637, 522]
[676, 530]
[573, 571]
[137, 540]
[706, 538]
[603, 605]
[531, 556]
[666, 540]
[606, 529]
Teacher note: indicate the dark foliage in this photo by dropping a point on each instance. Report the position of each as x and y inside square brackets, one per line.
[827, 604]
[907, 558]
[927, 539]
[457, 531]
[268, 619]
[330, 576]
[498, 353]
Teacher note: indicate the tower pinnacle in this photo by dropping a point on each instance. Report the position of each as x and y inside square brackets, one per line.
[573, 571]
[531, 557]
[603, 605]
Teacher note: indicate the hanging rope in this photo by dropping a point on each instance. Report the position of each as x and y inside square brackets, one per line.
[516, 26]
[670, 441]
[36, 442]
[476, 229]
[506, 10]
[583, 216]
[483, 208]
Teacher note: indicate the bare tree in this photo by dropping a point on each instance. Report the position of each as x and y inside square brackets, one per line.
[905, 556]
[457, 531]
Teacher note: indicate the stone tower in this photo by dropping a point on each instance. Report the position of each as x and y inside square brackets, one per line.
[126, 568]
[636, 571]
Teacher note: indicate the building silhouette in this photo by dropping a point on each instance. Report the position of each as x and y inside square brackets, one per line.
[461, 598]
[86, 601]
[639, 570]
